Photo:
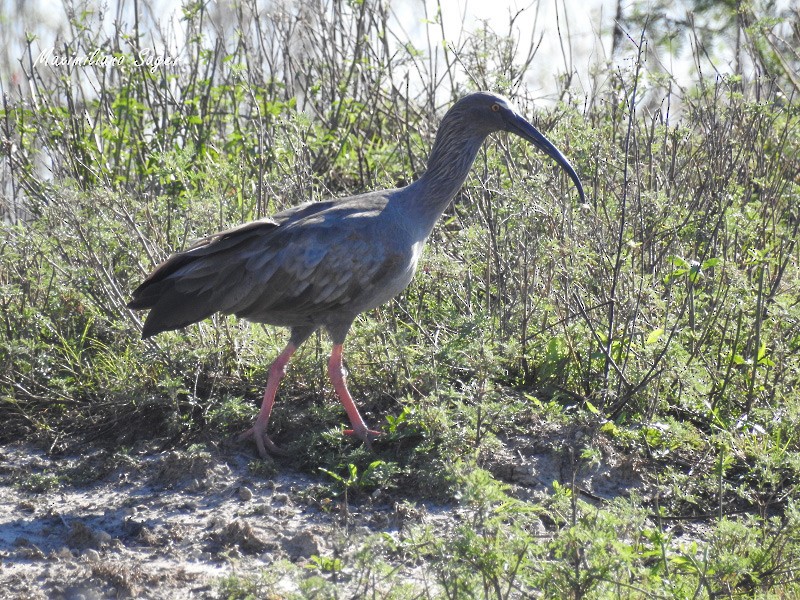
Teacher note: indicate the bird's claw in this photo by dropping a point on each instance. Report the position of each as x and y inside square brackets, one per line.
[263, 443]
[367, 436]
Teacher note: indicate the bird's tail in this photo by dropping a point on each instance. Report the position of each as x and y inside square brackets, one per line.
[184, 289]
[169, 307]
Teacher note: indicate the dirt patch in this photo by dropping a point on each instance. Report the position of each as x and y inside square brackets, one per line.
[174, 524]
[161, 526]
[168, 525]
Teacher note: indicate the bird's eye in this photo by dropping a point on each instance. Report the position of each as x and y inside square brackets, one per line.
[496, 107]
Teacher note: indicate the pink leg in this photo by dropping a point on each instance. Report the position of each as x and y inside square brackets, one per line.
[337, 374]
[259, 429]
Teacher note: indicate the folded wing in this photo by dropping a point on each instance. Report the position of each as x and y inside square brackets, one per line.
[294, 272]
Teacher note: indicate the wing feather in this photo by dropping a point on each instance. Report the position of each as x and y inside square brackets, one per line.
[319, 258]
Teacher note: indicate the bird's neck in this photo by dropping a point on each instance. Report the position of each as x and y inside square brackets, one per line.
[448, 166]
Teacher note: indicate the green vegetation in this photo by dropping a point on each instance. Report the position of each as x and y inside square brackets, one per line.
[654, 330]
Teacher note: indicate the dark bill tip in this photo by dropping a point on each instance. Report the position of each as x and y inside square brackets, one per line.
[527, 131]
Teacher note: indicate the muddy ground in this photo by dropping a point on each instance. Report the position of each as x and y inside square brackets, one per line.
[175, 524]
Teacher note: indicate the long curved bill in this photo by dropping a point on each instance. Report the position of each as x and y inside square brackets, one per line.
[528, 132]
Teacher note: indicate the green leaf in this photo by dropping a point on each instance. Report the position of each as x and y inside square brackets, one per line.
[762, 357]
[653, 337]
[737, 359]
[592, 408]
[679, 262]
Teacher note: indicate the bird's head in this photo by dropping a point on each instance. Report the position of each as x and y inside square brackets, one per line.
[491, 112]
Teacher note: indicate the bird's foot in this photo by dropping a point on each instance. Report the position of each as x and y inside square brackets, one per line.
[263, 443]
[365, 435]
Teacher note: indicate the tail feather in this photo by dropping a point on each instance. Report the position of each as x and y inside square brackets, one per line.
[169, 307]
[174, 310]
[180, 291]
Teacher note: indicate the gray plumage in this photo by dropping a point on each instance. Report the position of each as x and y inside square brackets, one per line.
[315, 264]
[320, 264]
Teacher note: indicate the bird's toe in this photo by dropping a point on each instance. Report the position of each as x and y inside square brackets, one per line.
[367, 435]
[264, 444]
